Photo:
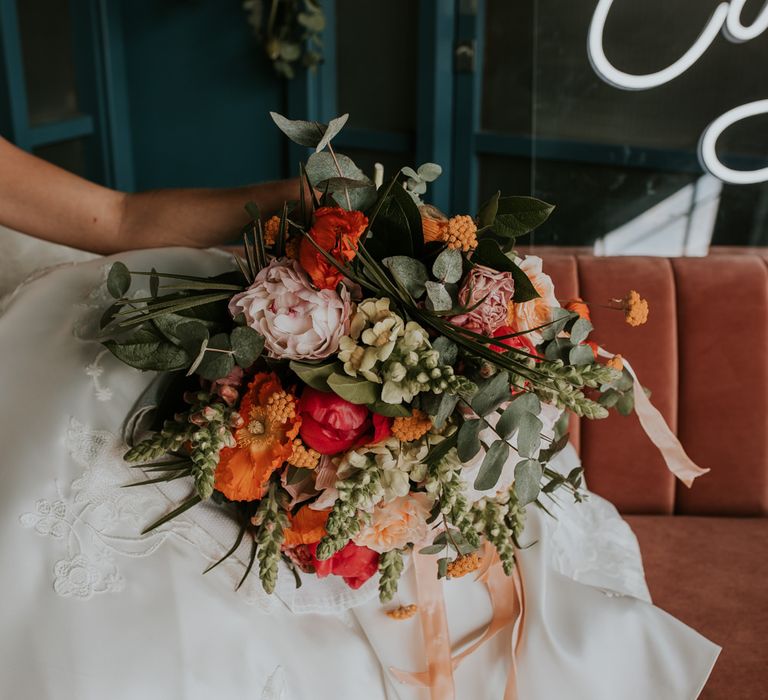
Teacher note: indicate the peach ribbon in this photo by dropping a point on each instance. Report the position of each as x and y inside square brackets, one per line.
[507, 601]
[659, 433]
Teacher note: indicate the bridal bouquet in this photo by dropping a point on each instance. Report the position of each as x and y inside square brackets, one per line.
[372, 377]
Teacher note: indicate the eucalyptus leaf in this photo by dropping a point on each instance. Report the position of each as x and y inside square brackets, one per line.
[560, 318]
[333, 128]
[529, 434]
[146, 350]
[118, 280]
[315, 376]
[448, 266]
[468, 444]
[408, 272]
[626, 404]
[449, 351]
[439, 407]
[439, 298]
[580, 331]
[492, 466]
[352, 389]
[609, 398]
[299, 131]
[432, 549]
[218, 361]
[321, 168]
[191, 335]
[247, 345]
[528, 473]
[581, 355]
[491, 393]
[429, 172]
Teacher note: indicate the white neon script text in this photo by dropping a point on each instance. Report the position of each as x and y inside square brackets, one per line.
[725, 18]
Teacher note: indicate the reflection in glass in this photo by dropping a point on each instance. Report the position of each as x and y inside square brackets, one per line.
[377, 63]
[47, 51]
[70, 155]
[507, 67]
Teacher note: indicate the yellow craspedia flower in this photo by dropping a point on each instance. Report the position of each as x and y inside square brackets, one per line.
[410, 428]
[635, 309]
[461, 233]
[303, 457]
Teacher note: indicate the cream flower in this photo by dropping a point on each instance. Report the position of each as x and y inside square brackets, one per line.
[395, 524]
[297, 321]
[536, 312]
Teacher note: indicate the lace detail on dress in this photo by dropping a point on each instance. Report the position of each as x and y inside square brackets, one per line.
[95, 370]
[592, 544]
[97, 520]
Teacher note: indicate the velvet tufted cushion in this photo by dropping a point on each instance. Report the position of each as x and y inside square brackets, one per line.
[711, 573]
[703, 356]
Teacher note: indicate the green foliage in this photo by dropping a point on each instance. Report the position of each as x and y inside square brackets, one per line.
[528, 473]
[439, 299]
[468, 444]
[247, 345]
[315, 375]
[516, 216]
[290, 32]
[146, 349]
[493, 462]
[409, 272]
[390, 568]
[118, 280]
[491, 393]
[353, 389]
[448, 266]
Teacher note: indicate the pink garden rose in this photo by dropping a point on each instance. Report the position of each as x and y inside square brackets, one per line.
[298, 322]
[496, 289]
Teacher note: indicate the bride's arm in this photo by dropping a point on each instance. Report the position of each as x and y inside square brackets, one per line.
[47, 202]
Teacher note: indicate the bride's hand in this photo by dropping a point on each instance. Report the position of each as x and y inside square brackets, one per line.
[47, 202]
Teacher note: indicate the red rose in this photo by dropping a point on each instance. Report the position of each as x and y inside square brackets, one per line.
[354, 564]
[521, 342]
[330, 425]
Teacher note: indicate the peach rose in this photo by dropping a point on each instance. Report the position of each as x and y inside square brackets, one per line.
[393, 525]
[536, 312]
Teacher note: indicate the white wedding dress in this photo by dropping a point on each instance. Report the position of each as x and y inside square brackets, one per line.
[92, 610]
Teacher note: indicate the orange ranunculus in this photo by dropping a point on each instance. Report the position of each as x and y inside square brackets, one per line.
[264, 442]
[578, 306]
[337, 231]
[307, 527]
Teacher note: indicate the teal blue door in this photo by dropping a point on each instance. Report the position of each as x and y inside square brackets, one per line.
[61, 95]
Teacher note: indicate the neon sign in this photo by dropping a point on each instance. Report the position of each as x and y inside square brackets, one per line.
[726, 19]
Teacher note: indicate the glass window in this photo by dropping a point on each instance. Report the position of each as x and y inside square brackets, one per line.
[70, 155]
[377, 63]
[48, 58]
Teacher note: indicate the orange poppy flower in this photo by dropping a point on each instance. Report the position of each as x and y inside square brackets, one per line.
[264, 443]
[337, 231]
[307, 527]
[577, 305]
